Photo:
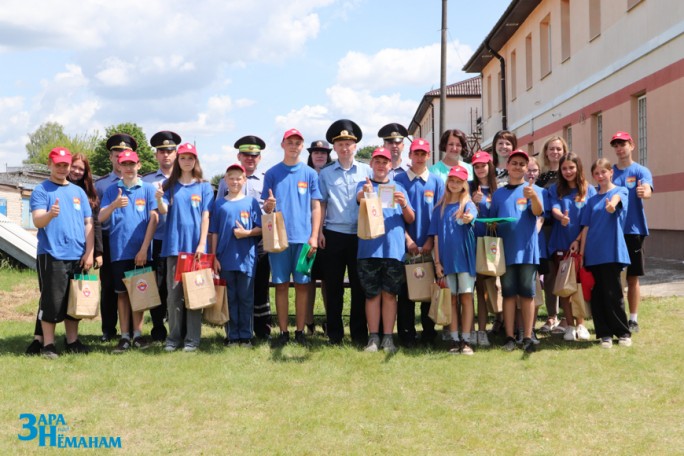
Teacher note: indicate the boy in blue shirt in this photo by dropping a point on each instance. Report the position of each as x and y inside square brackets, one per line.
[295, 188]
[131, 208]
[639, 183]
[235, 229]
[524, 202]
[381, 271]
[424, 190]
[61, 212]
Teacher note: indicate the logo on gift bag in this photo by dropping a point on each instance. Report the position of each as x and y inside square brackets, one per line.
[244, 217]
[302, 187]
[77, 203]
[86, 291]
[195, 200]
[140, 204]
[419, 273]
[521, 204]
[141, 285]
[199, 280]
[374, 211]
[493, 249]
[631, 181]
[429, 196]
[269, 226]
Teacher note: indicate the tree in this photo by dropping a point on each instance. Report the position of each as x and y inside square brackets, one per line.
[216, 180]
[364, 154]
[50, 135]
[99, 162]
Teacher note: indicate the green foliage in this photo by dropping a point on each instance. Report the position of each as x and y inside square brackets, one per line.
[364, 154]
[50, 135]
[99, 162]
[215, 180]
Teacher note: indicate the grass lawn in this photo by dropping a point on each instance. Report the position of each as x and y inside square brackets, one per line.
[568, 398]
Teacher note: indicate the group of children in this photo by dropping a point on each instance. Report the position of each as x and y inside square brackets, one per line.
[424, 213]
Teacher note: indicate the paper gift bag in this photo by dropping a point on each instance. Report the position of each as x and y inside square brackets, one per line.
[566, 277]
[419, 279]
[493, 298]
[187, 262]
[371, 220]
[440, 305]
[586, 280]
[141, 285]
[84, 296]
[489, 256]
[538, 293]
[273, 232]
[580, 307]
[218, 313]
[198, 289]
[305, 262]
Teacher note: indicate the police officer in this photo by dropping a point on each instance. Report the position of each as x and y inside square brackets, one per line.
[393, 135]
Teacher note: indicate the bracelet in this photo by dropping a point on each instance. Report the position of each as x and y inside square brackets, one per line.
[404, 206]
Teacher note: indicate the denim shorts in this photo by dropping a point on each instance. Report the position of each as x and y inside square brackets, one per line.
[283, 265]
[380, 274]
[519, 280]
[461, 282]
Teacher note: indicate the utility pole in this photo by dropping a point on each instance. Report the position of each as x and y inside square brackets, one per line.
[443, 75]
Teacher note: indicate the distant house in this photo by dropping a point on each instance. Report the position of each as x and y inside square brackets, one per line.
[584, 70]
[16, 186]
[463, 108]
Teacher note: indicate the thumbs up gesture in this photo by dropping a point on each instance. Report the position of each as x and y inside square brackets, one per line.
[528, 191]
[121, 201]
[270, 202]
[54, 209]
[467, 217]
[565, 220]
[478, 196]
[368, 186]
[610, 207]
[159, 193]
[239, 231]
[640, 189]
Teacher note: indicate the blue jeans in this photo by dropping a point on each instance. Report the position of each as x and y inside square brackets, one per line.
[240, 289]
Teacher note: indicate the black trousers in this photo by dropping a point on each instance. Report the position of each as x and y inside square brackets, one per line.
[607, 301]
[108, 301]
[406, 319]
[158, 314]
[339, 256]
[262, 300]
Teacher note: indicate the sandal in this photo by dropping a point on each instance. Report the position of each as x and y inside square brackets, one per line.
[559, 330]
[550, 325]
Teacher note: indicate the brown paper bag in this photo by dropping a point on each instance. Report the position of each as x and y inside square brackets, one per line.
[198, 289]
[489, 256]
[218, 313]
[440, 305]
[566, 278]
[493, 298]
[273, 232]
[371, 220]
[142, 291]
[580, 307]
[538, 293]
[419, 280]
[84, 296]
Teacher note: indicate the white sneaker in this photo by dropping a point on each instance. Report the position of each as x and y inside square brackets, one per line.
[570, 334]
[607, 342]
[582, 333]
[373, 343]
[625, 341]
[482, 339]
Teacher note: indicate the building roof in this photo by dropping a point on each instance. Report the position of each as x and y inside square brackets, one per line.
[27, 176]
[17, 242]
[507, 25]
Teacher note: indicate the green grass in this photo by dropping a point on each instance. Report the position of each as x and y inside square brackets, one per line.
[564, 399]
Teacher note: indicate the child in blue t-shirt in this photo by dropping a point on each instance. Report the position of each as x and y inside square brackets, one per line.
[454, 237]
[131, 208]
[62, 215]
[523, 202]
[186, 200]
[294, 186]
[235, 227]
[381, 271]
[604, 253]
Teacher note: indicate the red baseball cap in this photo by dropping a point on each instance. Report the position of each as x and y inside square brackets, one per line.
[481, 157]
[237, 166]
[459, 171]
[382, 152]
[187, 148]
[522, 153]
[420, 144]
[621, 136]
[60, 155]
[128, 156]
[292, 132]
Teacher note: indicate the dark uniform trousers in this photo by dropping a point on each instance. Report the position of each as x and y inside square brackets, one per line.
[108, 304]
[158, 314]
[607, 301]
[262, 301]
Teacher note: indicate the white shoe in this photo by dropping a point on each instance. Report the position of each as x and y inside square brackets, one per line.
[606, 342]
[570, 334]
[373, 344]
[582, 333]
[625, 341]
[482, 339]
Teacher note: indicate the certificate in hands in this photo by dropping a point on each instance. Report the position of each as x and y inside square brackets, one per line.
[387, 195]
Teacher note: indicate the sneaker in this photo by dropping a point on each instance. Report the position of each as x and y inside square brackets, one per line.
[49, 352]
[570, 333]
[473, 337]
[388, 344]
[497, 327]
[550, 324]
[34, 348]
[519, 337]
[625, 341]
[528, 345]
[170, 348]
[300, 339]
[246, 343]
[454, 348]
[607, 342]
[106, 337]
[466, 349]
[141, 343]
[123, 346]
[510, 344]
[633, 326]
[535, 341]
[373, 344]
[482, 339]
[446, 334]
[582, 333]
[159, 333]
[76, 347]
[231, 342]
[280, 341]
[190, 349]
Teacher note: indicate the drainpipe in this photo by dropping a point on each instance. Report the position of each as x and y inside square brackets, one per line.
[434, 145]
[504, 110]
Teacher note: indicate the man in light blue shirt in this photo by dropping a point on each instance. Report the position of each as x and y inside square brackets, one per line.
[338, 239]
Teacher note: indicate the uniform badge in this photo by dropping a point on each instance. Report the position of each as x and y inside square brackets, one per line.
[429, 196]
[140, 204]
[521, 204]
[488, 201]
[631, 181]
[302, 187]
[77, 203]
[580, 202]
[195, 200]
[244, 218]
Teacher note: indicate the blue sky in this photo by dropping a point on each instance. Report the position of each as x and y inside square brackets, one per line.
[214, 71]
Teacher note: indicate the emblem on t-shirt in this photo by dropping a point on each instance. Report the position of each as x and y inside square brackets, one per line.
[302, 187]
[77, 203]
[140, 204]
[429, 196]
[521, 204]
[244, 218]
[630, 182]
[195, 200]
[488, 201]
[580, 202]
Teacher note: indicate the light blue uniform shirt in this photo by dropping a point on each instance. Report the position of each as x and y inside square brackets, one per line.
[153, 178]
[253, 187]
[338, 188]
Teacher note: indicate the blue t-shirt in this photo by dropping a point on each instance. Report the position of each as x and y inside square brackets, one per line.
[184, 216]
[455, 239]
[562, 236]
[64, 237]
[423, 197]
[294, 187]
[127, 225]
[393, 243]
[235, 254]
[520, 239]
[605, 238]
[635, 223]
